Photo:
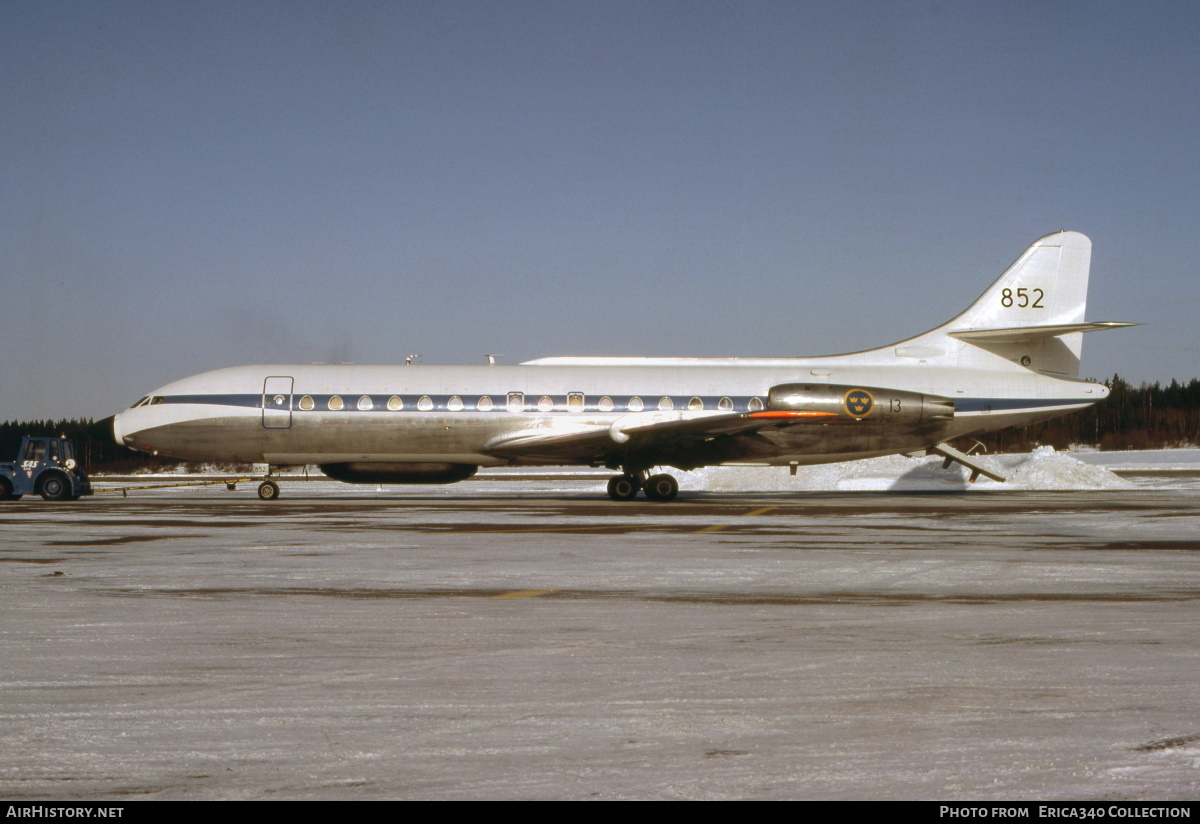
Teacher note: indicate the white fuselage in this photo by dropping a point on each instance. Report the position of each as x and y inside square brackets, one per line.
[299, 414]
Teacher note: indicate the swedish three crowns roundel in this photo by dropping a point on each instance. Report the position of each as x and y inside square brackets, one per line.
[858, 403]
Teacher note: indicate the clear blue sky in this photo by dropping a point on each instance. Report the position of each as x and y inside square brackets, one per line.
[189, 185]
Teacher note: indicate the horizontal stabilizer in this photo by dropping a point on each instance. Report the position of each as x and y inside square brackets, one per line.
[952, 455]
[1016, 334]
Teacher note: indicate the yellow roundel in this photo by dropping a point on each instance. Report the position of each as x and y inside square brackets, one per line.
[858, 403]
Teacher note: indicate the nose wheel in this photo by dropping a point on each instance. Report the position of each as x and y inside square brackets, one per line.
[660, 487]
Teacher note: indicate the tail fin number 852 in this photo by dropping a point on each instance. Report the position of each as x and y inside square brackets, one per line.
[1024, 298]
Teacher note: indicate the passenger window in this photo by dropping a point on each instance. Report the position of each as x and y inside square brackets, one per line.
[635, 404]
[545, 404]
[575, 401]
[695, 405]
[516, 401]
[335, 403]
[606, 404]
[726, 405]
[665, 403]
[306, 403]
[365, 403]
[755, 405]
[425, 403]
[395, 404]
[454, 404]
[484, 404]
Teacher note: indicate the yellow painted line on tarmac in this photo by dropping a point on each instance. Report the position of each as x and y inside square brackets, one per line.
[487, 530]
[522, 593]
[719, 527]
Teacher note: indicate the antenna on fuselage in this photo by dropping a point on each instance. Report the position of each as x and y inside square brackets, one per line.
[492, 358]
[409, 359]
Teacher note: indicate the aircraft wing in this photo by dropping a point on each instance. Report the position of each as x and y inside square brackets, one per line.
[669, 434]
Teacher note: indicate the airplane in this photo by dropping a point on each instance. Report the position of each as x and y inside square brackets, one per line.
[1012, 357]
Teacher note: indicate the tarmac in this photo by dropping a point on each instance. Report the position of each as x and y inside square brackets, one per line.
[533, 640]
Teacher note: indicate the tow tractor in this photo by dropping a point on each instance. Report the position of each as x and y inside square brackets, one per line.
[46, 466]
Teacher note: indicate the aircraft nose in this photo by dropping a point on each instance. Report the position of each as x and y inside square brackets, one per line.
[113, 428]
[104, 429]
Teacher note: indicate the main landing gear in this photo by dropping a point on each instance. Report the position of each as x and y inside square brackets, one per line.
[660, 487]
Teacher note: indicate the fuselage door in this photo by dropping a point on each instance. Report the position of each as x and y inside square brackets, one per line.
[277, 402]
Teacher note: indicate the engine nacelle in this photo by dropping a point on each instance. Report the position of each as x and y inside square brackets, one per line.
[365, 472]
[856, 403]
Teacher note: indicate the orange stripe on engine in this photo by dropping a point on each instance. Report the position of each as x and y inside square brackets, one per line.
[784, 413]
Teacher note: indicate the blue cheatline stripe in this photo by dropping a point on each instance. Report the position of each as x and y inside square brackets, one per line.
[469, 403]
[1010, 404]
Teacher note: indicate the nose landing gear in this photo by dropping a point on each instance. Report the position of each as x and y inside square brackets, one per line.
[661, 487]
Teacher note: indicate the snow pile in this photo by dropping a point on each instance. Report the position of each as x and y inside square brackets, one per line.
[1042, 469]
[1046, 469]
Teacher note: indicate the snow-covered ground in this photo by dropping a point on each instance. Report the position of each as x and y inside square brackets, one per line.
[502, 639]
[1043, 469]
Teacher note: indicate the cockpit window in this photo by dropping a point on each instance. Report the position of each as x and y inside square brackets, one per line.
[157, 399]
[139, 403]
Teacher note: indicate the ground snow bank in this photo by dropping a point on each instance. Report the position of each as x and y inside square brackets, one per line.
[1042, 469]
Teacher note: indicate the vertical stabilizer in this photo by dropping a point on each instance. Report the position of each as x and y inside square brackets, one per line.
[1045, 288]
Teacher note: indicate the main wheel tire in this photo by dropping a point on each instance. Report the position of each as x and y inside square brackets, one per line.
[6, 490]
[268, 490]
[623, 488]
[661, 487]
[54, 487]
